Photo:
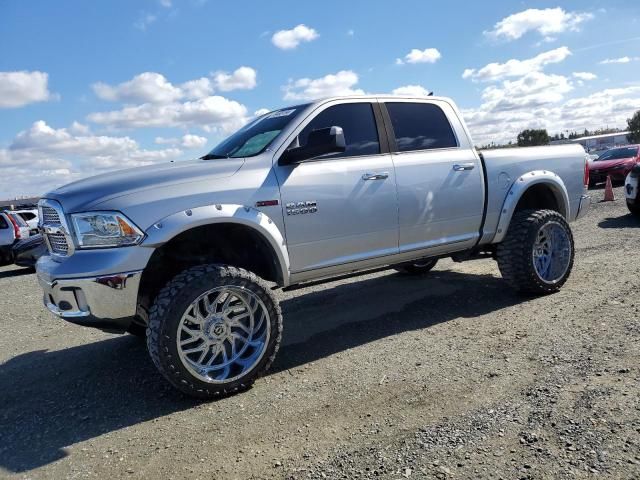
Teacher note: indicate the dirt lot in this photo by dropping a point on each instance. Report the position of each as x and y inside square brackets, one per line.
[383, 376]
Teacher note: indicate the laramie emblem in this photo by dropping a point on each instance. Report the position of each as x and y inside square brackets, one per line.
[299, 208]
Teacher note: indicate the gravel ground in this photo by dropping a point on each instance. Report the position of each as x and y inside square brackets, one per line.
[383, 376]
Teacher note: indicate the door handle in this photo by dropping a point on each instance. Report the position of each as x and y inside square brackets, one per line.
[375, 176]
[461, 167]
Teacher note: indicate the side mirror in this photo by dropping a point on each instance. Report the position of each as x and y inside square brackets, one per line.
[320, 142]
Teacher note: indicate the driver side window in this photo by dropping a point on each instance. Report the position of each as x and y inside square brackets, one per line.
[358, 123]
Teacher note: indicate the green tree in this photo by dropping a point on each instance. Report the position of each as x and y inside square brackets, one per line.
[634, 128]
[533, 137]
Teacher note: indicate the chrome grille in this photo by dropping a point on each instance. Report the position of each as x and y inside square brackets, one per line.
[50, 216]
[54, 227]
[58, 243]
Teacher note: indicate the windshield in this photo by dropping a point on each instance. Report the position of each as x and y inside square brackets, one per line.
[618, 153]
[256, 136]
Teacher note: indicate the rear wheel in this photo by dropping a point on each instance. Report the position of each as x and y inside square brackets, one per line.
[213, 330]
[537, 253]
[419, 267]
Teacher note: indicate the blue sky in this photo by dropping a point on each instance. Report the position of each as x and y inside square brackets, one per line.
[88, 86]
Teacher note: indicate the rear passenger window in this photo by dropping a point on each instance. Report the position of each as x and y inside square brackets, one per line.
[3, 223]
[420, 126]
[357, 122]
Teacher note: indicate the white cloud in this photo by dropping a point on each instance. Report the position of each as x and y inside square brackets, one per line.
[244, 78]
[145, 87]
[516, 68]
[144, 21]
[261, 111]
[18, 89]
[585, 76]
[290, 39]
[193, 141]
[547, 22]
[166, 141]
[78, 128]
[532, 90]
[43, 157]
[428, 55]
[153, 87]
[341, 83]
[411, 91]
[624, 59]
[210, 113]
[611, 107]
[166, 3]
[198, 88]
[187, 141]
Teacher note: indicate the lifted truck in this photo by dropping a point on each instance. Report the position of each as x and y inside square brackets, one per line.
[189, 253]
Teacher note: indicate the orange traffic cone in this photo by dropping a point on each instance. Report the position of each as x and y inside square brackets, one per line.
[608, 190]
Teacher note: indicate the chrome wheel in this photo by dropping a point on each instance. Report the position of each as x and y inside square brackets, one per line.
[551, 252]
[223, 334]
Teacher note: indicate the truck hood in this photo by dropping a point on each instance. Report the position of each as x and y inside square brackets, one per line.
[88, 193]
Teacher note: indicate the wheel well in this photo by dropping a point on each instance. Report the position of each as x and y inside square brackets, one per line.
[540, 197]
[226, 243]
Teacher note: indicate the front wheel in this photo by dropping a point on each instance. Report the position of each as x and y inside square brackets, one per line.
[536, 255]
[213, 330]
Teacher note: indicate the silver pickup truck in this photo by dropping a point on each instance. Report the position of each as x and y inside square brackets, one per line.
[189, 253]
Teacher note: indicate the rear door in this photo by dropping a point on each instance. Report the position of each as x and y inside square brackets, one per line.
[439, 176]
[341, 208]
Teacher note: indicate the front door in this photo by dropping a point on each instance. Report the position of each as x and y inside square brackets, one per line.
[340, 208]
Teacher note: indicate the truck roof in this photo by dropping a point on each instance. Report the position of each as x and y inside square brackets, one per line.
[380, 96]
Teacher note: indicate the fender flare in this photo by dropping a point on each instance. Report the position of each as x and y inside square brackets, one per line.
[518, 189]
[173, 225]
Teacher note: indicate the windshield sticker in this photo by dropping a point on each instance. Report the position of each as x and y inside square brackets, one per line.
[281, 113]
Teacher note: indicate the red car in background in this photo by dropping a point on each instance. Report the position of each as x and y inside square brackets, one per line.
[616, 163]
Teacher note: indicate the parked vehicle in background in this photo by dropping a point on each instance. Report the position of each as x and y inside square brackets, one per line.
[30, 216]
[12, 229]
[25, 253]
[616, 163]
[190, 252]
[632, 190]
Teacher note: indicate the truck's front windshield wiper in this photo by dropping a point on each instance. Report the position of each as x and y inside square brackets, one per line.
[213, 156]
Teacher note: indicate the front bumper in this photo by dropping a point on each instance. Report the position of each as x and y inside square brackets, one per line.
[95, 288]
[107, 302]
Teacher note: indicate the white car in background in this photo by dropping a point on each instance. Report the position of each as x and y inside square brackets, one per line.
[12, 229]
[632, 190]
[29, 215]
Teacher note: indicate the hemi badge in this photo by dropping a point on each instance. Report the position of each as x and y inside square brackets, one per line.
[267, 203]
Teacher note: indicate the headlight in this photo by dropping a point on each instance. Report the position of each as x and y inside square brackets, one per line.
[104, 229]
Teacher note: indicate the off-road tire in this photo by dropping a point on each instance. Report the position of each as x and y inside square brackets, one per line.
[515, 253]
[171, 303]
[634, 209]
[417, 268]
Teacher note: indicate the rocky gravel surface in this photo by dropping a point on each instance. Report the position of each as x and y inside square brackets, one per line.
[382, 376]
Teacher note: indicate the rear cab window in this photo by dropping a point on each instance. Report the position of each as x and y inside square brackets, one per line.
[420, 126]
